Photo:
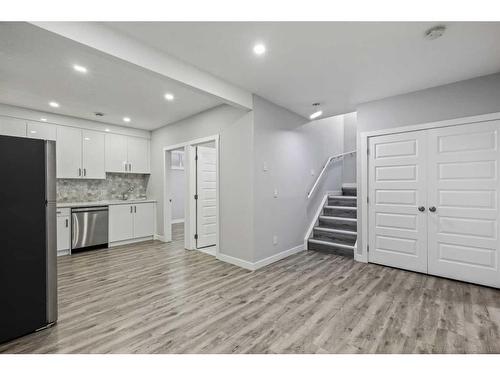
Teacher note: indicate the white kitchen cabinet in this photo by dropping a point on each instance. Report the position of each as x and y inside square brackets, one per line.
[121, 222]
[138, 155]
[131, 221]
[144, 219]
[80, 153]
[127, 154]
[12, 126]
[116, 153]
[69, 152]
[41, 130]
[93, 155]
[63, 231]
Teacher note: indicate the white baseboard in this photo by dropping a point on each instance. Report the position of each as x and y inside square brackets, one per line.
[252, 266]
[60, 253]
[176, 221]
[134, 240]
[236, 261]
[274, 258]
[159, 237]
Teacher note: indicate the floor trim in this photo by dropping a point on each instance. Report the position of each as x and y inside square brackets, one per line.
[176, 221]
[236, 261]
[252, 266]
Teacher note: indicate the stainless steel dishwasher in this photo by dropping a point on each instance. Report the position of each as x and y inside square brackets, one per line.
[89, 228]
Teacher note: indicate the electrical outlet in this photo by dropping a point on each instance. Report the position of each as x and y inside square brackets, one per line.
[312, 172]
[275, 193]
[275, 240]
[264, 166]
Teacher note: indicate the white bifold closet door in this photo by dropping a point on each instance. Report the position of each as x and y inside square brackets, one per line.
[206, 181]
[453, 174]
[397, 181]
[463, 186]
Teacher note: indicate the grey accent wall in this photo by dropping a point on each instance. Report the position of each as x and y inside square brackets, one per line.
[461, 99]
[349, 162]
[79, 190]
[235, 127]
[178, 178]
[293, 148]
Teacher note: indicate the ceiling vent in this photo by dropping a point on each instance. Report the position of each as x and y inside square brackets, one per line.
[435, 32]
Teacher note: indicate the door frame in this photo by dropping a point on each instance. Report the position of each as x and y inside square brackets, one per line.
[361, 253]
[189, 201]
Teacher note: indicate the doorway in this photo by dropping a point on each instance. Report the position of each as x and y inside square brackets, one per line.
[191, 194]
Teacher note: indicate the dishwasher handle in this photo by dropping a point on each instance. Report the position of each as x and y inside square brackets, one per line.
[90, 209]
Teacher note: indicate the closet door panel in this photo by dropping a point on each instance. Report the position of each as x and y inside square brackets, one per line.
[463, 179]
[397, 188]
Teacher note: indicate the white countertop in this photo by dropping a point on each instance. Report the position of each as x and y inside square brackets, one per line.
[103, 203]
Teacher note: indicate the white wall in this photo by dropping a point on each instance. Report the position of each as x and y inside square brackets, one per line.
[465, 98]
[291, 146]
[178, 181]
[235, 127]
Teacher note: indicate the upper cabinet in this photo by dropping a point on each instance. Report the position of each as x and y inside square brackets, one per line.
[12, 126]
[138, 155]
[126, 154]
[41, 130]
[80, 153]
[93, 154]
[69, 152]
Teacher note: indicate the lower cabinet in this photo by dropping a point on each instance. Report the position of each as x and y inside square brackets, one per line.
[131, 221]
[63, 231]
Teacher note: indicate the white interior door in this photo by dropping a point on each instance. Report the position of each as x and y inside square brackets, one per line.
[397, 190]
[463, 182]
[206, 187]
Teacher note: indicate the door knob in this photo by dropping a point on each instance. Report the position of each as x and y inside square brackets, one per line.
[432, 209]
[421, 208]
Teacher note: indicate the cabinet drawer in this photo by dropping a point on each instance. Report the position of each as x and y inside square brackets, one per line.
[63, 211]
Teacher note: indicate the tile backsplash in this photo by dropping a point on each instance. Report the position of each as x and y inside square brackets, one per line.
[115, 184]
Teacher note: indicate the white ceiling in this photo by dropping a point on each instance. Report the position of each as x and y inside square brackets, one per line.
[36, 67]
[338, 64]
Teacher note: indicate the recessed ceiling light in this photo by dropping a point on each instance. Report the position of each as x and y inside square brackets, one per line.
[106, 129]
[80, 69]
[33, 131]
[43, 119]
[126, 119]
[315, 115]
[169, 97]
[54, 104]
[259, 49]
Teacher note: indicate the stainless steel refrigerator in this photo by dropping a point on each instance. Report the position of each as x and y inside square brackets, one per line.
[28, 245]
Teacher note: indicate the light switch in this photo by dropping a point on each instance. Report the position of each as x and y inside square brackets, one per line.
[264, 167]
[312, 172]
[275, 240]
[275, 193]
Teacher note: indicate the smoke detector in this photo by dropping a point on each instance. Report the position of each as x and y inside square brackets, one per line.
[435, 32]
[99, 114]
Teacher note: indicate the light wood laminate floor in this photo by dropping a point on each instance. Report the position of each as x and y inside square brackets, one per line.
[159, 298]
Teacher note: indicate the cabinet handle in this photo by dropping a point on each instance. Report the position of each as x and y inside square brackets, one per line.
[126, 167]
[135, 209]
[130, 167]
[67, 223]
[432, 209]
[421, 208]
[84, 171]
[130, 209]
[79, 172]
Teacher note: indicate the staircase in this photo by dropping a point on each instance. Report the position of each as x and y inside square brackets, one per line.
[337, 224]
